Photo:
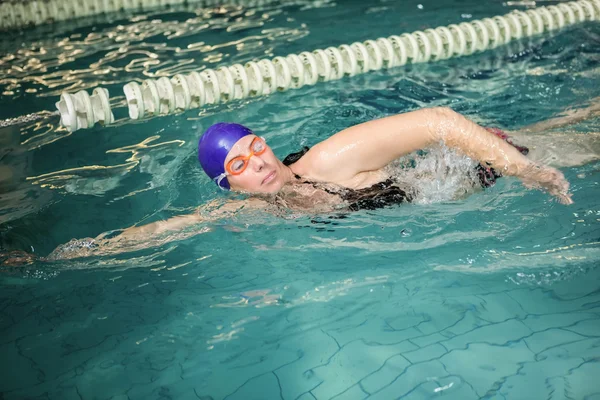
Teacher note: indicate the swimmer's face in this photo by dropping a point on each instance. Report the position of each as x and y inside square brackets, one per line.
[263, 173]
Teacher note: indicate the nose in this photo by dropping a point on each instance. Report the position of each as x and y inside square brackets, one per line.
[257, 163]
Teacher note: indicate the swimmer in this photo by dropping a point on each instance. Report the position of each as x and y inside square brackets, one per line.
[345, 172]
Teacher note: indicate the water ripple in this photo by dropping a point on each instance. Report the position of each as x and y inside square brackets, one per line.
[154, 46]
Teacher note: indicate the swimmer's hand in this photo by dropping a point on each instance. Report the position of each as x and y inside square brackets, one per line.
[547, 178]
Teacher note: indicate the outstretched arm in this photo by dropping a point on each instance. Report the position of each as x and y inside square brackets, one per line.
[154, 234]
[205, 213]
[372, 145]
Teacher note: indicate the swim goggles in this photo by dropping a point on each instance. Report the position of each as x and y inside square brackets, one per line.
[238, 164]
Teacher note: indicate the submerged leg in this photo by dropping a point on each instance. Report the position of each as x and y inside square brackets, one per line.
[560, 149]
[568, 117]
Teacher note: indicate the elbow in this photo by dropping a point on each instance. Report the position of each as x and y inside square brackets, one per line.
[443, 121]
[443, 112]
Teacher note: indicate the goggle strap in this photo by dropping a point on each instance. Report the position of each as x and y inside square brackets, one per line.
[219, 178]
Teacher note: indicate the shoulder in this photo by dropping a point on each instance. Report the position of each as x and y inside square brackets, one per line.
[317, 166]
[310, 165]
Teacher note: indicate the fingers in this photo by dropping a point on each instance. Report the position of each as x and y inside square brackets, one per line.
[549, 179]
[565, 199]
[560, 187]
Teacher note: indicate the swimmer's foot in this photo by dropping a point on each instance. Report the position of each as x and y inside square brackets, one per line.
[549, 179]
[16, 258]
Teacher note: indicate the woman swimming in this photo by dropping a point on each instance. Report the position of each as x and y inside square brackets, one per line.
[347, 170]
[344, 172]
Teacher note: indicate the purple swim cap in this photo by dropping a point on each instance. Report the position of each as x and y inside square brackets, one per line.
[214, 146]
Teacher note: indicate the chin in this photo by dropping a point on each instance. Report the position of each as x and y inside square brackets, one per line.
[272, 187]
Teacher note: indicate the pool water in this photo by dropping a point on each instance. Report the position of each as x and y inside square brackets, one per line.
[492, 295]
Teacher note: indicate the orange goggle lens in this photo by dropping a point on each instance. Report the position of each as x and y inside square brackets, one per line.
[238, 164]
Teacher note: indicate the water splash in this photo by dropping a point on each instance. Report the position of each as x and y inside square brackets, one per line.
[438, 175]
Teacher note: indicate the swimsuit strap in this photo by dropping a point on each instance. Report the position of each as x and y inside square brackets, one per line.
[292, 158]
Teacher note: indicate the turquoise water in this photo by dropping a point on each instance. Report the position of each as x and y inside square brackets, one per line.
[491, 296]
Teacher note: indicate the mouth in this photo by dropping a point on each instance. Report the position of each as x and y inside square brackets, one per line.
[268, 178]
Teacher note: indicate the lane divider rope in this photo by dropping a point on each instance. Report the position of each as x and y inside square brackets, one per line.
[165, 95]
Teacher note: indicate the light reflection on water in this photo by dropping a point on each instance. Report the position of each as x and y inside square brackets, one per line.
[144, 47]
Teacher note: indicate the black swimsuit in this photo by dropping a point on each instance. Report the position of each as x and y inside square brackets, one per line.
[387, 193]
[377, 196]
